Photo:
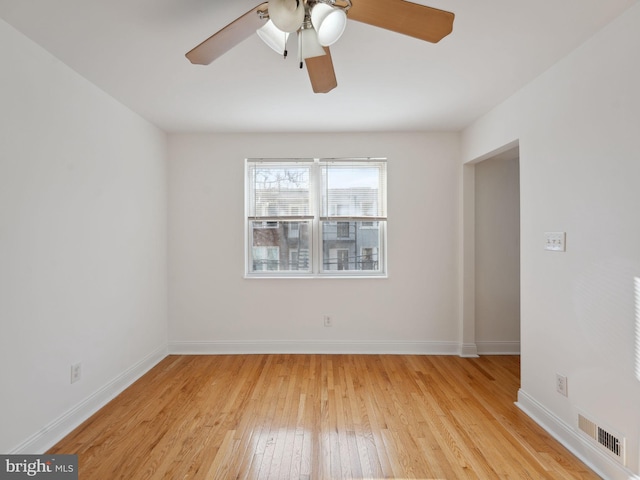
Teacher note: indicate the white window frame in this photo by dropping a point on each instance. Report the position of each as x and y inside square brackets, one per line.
[316, 221]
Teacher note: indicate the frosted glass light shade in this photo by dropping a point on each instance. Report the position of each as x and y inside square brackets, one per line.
[287, 15]
[273, 36]
[329, 22]
[309, 44]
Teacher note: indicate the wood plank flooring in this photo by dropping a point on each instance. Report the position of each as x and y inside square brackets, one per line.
[320, 417]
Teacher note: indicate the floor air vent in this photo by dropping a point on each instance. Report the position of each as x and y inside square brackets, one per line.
[612, 443]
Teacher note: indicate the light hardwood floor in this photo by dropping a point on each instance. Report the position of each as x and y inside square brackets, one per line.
[320, 417]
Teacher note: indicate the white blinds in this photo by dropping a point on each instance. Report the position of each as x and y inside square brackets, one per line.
[353, 190]
[279, 189]
[347, 189]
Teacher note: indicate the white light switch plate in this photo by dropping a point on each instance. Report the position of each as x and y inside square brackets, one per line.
[555, 241]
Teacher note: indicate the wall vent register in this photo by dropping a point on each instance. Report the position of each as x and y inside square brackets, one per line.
[605, 439]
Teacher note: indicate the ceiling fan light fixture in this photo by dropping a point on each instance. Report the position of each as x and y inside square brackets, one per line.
[309, 45]
[329, 22]
[273, 36]
[287, 15]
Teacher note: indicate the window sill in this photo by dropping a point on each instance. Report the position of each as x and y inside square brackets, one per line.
[314, 277]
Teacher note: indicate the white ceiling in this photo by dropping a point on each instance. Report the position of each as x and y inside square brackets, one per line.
[134, 50]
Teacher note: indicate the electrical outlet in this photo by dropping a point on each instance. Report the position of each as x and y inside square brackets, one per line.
[76, 372]
[561, 384]
[328, 321]
[555, 241]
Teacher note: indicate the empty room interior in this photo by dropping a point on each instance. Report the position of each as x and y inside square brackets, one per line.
[407, 250]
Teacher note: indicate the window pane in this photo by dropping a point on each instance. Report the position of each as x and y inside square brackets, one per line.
[355, 246]
[280, 246]
[353, 189]
[278, 190]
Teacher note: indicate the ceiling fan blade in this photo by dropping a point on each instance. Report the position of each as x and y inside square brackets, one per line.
[419, 21]
[321, 73]
[227, 38]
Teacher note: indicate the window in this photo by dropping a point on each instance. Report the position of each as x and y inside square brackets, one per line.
[367, 258]
[343, 229]
[315, 217]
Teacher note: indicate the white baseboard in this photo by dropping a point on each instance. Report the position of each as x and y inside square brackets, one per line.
[568, 436]
[498, 348]
[311, 347]
[469, 350]
[52, 433]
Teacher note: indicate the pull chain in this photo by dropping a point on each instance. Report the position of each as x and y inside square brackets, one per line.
[300, 48]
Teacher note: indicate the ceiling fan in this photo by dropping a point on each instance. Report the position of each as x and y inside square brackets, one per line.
[319, 24]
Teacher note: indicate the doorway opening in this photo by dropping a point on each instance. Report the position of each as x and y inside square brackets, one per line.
[491, 254]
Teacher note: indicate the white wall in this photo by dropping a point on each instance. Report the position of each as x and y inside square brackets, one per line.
[213, 308]
[577, 127]
[82, 245]
[497, 255]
